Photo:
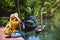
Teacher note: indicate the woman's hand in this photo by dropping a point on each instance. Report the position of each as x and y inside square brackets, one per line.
[16, 14]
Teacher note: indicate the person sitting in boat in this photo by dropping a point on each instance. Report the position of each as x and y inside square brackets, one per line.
[31, 19]
[10, 29]
[40, 28]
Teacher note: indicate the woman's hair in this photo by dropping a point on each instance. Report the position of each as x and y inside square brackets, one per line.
[13, 16]
[16, 14]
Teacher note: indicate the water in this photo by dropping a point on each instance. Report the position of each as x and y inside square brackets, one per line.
[51, 32]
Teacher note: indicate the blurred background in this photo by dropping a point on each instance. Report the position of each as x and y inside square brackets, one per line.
[46, 12]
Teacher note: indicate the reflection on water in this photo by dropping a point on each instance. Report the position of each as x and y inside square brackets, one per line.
[51, 32]
[34, 38]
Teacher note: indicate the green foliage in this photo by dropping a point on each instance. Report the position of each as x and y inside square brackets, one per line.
[3, 22]
[57, 16]
[33, 7]
[10, 3]
[28, 10]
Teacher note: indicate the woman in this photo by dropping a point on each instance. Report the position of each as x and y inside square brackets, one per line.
[10, 29]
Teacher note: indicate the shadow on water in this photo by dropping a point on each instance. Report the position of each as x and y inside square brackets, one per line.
[51, 32]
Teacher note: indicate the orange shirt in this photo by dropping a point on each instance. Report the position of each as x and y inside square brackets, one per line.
[14, 25]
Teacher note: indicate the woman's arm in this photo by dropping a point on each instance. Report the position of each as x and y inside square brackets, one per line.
[16, 15]
[19, 20]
